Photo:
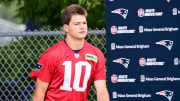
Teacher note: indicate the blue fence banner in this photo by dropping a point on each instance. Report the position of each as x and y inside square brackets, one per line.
[143, 50]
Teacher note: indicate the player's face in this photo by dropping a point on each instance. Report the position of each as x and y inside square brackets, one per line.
[77, 27]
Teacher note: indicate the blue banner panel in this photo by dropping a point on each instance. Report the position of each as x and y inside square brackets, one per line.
[143, 50]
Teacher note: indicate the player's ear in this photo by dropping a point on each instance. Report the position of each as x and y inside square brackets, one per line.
[65, 26]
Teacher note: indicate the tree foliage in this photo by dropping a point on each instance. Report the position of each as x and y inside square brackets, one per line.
[46, 13]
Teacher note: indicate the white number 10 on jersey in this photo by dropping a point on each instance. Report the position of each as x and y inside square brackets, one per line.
[78, 68]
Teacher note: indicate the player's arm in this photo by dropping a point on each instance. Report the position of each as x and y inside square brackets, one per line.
[102, 92]
[40, 90]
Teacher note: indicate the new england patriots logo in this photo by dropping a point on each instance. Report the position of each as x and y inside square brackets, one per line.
[123, 61]
[167, 43]
[123, 12]
[38, 67]
[166, 93]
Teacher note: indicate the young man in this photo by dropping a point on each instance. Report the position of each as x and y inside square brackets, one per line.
[65, 71]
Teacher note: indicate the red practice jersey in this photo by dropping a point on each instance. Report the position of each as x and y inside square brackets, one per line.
[69, 74]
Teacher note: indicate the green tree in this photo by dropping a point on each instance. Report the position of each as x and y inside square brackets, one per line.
[46, 13]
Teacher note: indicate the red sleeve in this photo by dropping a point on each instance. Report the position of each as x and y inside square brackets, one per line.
[43, 69]
[100, 73]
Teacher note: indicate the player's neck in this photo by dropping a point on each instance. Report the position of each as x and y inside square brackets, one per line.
[75, 44]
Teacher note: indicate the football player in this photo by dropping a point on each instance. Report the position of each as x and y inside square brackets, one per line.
[65, 71]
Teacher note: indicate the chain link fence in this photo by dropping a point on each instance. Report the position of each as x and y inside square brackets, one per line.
[19, 53]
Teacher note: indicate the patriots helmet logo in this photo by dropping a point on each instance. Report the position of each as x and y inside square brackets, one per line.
[167, 43]
[38, 67]
[123, 61]
[166, 93]
[123, 12]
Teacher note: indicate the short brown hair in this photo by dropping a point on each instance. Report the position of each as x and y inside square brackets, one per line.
[72, 10]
